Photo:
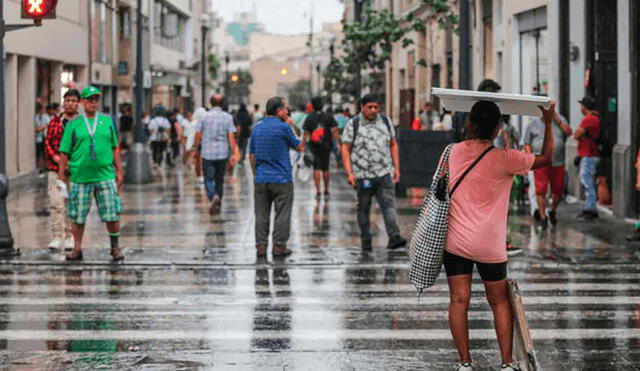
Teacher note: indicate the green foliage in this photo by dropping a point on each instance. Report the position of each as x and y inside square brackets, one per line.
[298, 94]
[368, 45]
[214, 66]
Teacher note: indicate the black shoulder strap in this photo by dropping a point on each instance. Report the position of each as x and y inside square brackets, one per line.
[469, 170]
[387, 122]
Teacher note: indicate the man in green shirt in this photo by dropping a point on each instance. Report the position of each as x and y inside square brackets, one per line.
[89, 149]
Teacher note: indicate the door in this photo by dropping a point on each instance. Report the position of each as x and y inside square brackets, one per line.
[602, 60]
[407, 107]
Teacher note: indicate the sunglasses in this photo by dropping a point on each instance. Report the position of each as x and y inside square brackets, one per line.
[94, 99]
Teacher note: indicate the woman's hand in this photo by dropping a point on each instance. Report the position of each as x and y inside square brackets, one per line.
[548, 114]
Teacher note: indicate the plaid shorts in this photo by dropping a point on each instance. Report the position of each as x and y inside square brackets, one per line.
[107, 198]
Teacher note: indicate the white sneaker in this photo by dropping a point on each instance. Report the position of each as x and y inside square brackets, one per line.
[201, 180]
[55, 244]
[510, 367]
[466, 366]
[68, 243]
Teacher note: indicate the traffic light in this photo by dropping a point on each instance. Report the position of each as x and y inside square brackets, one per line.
[39, 9]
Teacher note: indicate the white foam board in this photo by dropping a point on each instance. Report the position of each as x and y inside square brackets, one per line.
[510, 104]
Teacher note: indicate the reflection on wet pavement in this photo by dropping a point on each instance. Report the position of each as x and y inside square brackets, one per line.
[192, 295]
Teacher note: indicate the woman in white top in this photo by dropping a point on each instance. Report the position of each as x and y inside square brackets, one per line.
[446, 122]
[197, 158]
[159, 127]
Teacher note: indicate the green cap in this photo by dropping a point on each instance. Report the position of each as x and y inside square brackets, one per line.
[89, 91]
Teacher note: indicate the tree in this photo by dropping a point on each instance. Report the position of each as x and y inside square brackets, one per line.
[298, 94]
[239, 84]
[368, 45]
[214, 66]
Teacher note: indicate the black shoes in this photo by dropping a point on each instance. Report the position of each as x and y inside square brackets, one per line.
[552, 218]
[542, 223]
[396, 243]
[366, 245]
[635, 237]
[588, 216]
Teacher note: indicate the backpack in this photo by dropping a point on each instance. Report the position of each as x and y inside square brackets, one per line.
[356, 125]
[322, 134]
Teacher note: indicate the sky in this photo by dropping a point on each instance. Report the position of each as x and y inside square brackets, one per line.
[284, 16]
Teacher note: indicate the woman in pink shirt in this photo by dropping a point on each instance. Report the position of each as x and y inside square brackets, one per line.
[478, 224]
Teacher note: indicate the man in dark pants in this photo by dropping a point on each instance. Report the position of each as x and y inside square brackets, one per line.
[322, 130]
[215, 131]
[269, 156]
[371, 159]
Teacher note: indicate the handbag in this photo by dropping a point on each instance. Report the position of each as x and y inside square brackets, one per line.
[429, 237]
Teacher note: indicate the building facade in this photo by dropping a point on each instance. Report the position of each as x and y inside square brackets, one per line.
[40, 64]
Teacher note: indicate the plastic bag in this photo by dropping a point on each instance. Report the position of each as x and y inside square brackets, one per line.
[303, 172]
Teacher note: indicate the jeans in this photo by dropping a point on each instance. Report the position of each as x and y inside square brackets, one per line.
[588, 180]
[214, 171]
[267, 195]
[60, 226]
[242, 144]
[158, 148]
[383, 190]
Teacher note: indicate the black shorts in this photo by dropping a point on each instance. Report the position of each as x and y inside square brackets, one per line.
[456, 265]
[321, 160]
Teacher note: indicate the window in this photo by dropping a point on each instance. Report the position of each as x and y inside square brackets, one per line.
[169, 27]
[125, 24]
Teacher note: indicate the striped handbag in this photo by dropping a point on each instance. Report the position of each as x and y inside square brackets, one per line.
[429, 237]
[426, 247]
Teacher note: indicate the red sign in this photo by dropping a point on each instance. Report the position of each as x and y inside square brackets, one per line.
[39, 9]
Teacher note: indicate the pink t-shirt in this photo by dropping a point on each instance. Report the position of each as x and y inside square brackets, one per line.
[479, 207]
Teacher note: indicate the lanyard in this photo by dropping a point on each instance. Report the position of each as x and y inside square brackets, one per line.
[92, 133]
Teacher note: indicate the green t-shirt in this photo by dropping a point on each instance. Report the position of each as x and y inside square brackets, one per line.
[76, 142]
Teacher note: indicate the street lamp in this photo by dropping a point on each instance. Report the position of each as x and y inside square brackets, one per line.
[226, 76]
[205, 20]
[138, 169]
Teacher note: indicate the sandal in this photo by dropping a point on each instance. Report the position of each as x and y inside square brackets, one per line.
[74, 255]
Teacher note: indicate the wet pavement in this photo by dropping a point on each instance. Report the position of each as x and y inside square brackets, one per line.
[192, 295]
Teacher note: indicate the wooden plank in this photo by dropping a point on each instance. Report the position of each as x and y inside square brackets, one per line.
[523, 345]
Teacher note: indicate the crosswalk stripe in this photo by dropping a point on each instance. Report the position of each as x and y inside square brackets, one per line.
[195, 299]
[309, 335]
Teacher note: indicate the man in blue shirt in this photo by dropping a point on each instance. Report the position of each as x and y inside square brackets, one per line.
[271, 140]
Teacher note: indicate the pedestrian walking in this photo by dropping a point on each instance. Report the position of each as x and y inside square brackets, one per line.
[244, 124]
[269, 157]
[42, 120]
[57, 192]
[425, 118]
[175, 137]
[188, 137]
[215, 131]
[552, 175]
[587, 136]
[89, 148]
[126, 127]
[446, 122]
[321, 131]
[635, 236]
[199, 113]
[371, 159]
[257, 114]
[159, 126]
[478, 223]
